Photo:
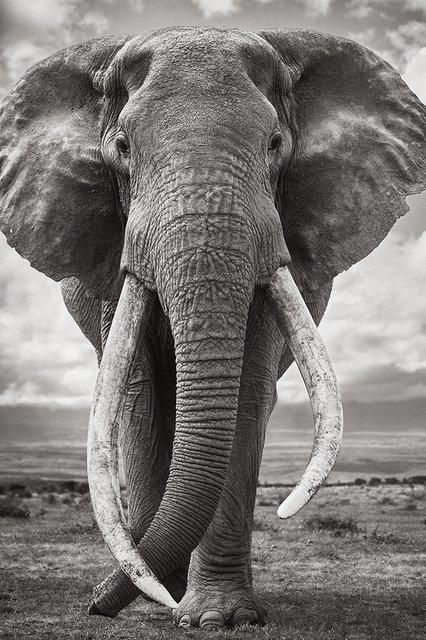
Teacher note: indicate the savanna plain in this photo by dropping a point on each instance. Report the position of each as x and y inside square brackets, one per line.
[348, 567]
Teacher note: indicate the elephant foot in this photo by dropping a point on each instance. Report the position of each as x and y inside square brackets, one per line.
[213, 608]
[117, 591]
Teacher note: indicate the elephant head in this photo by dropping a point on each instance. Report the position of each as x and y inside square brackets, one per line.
[197, 165]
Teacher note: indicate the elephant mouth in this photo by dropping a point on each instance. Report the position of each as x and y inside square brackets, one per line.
[130, 320]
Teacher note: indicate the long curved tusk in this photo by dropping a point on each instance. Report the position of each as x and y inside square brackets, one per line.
[315, 366]
[129, 321]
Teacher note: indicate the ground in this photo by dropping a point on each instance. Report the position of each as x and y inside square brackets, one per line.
[347, 568]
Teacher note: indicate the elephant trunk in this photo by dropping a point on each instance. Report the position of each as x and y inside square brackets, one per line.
[206, 291]
[209, 346]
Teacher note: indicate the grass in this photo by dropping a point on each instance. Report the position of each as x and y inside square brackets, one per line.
[347, 568]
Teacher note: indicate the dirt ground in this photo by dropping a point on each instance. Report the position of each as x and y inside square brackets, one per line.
[348, 567]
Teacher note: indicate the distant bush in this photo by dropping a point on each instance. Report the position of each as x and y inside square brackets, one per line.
[374, 482]
[417, 480]
[337, 526]
[83, 488]
[69, 486]
[50, 488]
[391, 480]
[12, 507]
[20, 490]
[360, 481]
[73, 486]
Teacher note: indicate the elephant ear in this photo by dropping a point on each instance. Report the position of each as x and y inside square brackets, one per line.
[58, 203]
[359, 152]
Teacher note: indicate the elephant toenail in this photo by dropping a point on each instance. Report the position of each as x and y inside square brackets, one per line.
[245, 616]
[185, 621]
[211, 620]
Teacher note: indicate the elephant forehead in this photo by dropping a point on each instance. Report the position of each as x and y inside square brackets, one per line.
[219, 53]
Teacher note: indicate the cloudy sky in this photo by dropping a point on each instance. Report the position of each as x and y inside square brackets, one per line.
[375, 325]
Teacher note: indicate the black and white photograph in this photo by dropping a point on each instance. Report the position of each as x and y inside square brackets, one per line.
[212, 319]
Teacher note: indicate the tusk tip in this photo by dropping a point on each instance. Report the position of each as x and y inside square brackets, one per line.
[155, 590]
[170, 602]
[282, 513]
[164, 597]
[294, 502]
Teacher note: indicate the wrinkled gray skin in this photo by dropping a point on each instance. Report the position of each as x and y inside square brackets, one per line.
[198, 128]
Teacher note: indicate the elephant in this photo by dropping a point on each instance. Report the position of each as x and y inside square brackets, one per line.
[195, 190]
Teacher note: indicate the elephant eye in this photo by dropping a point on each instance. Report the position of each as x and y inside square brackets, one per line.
[275, 142]
[122, 145]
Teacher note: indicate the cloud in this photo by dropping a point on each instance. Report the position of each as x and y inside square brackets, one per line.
[317, 7]
[20, 55]
[405, 42]
[34, 30]
[29, 394]
[408, 37]
[137, 5]
[395, 30]
[210, 8]
[43, 14]
[313, 8]
[414, 74]
[413, 5]
[94, 23]
[44, 357]
[363, 9]
[360, 9]
[375, 327]
[397, 45]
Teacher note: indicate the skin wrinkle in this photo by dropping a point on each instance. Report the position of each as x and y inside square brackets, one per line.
[161, 205]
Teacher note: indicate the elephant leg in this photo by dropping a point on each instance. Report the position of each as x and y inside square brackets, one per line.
[146, 439]
[220, 588]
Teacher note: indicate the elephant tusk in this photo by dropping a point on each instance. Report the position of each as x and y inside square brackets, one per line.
[129, 321]
[310, 354]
